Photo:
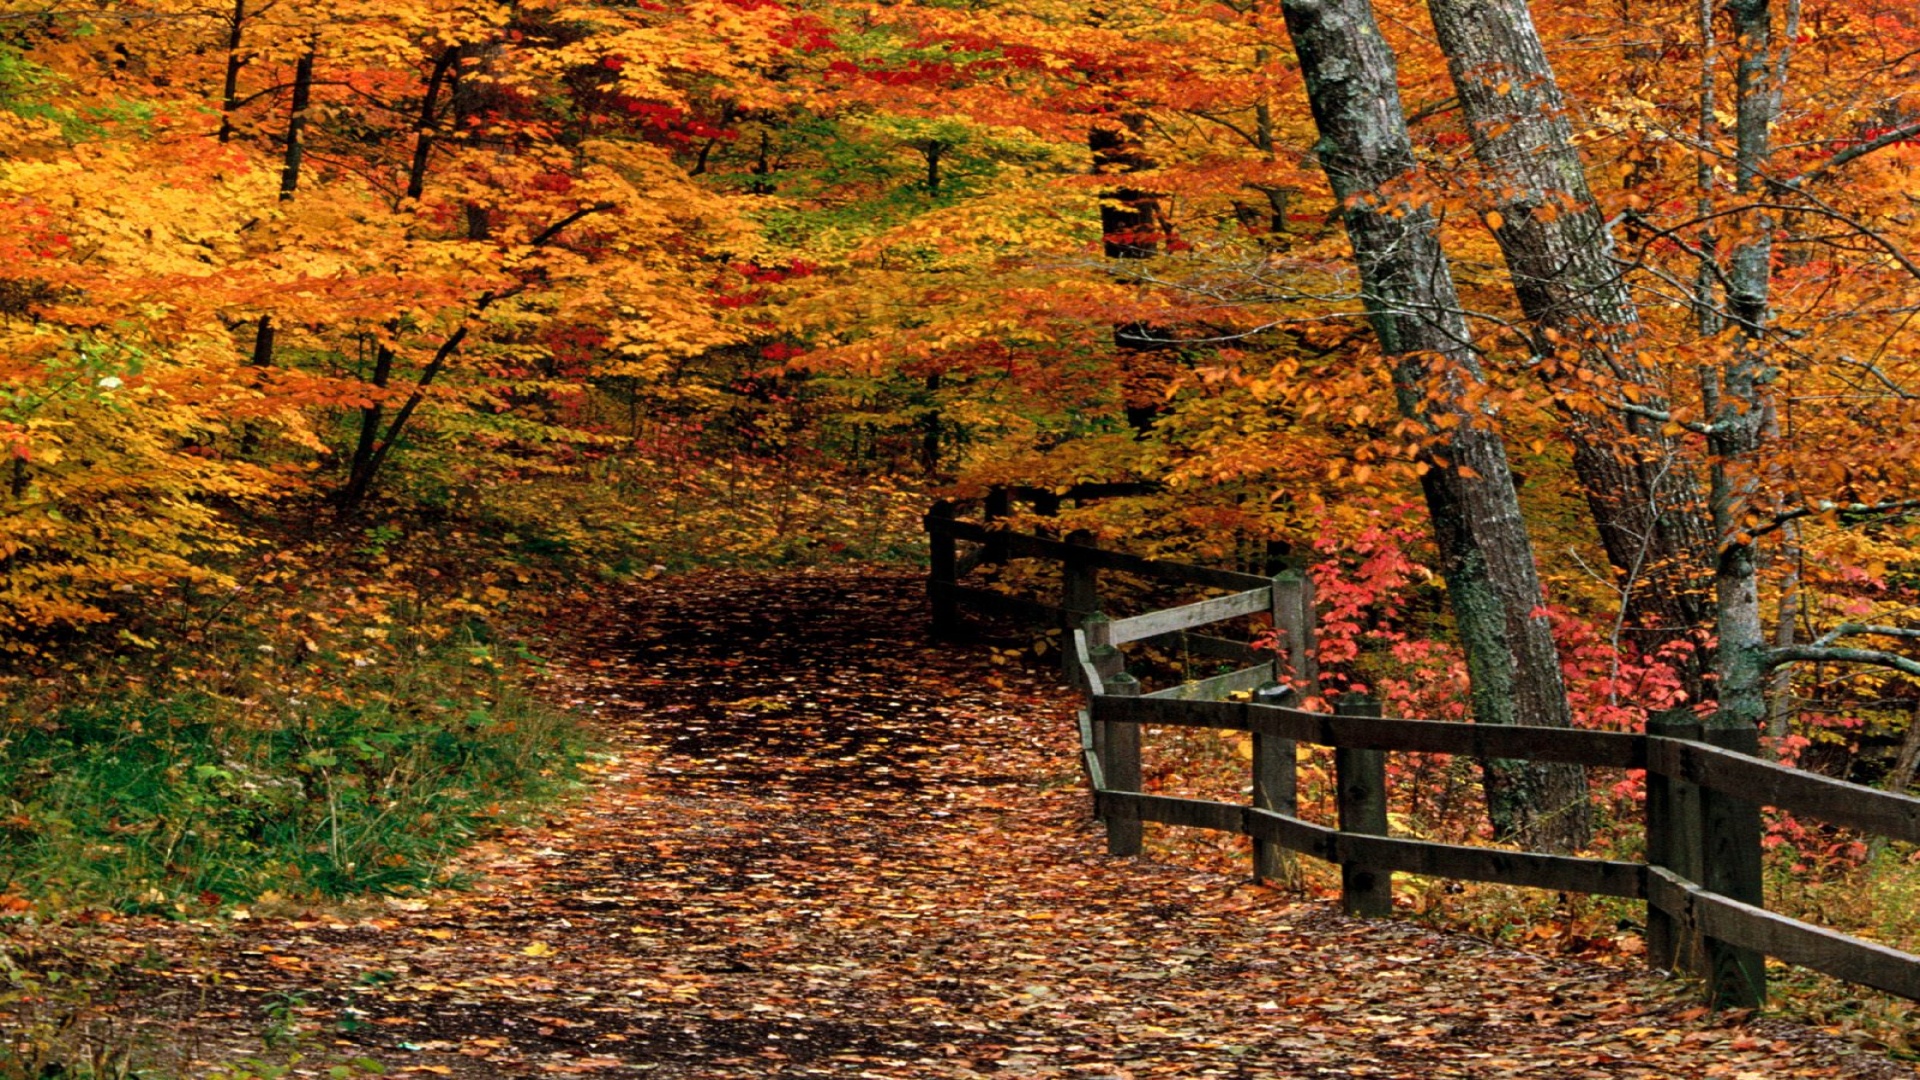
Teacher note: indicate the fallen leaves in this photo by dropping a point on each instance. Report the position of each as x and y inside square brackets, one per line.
[894, 875]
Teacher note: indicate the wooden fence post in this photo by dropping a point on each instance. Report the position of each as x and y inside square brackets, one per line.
[1737, 976]
[999, 509]
[1674, 841]
[1079, 598]
[1275, 783]
[1293, 617]
[1121, 763]
[1106, 662]
[1116, 745]
[1275, 788]
[943, 563]
[1361, 779]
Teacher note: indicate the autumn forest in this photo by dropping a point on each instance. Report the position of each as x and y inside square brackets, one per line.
[372, 371]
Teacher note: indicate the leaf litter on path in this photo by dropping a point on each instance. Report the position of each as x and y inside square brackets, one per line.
[822, 847]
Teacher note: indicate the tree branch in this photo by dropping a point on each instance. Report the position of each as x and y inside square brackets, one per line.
[1225, 123]
[1825, 209]
[1662, 416]
[451, 345]
[1789, 654]
[547, 234]
[1865, 630]
[1825, 507]
[1857, 150]
[1433, 109]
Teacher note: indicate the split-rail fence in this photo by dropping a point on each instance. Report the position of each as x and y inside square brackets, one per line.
[1705, 786]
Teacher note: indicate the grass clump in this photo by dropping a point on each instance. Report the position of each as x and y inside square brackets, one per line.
[325, 778]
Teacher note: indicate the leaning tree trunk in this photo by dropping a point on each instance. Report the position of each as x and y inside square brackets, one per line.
[1585, 324]
[1410, 299]
[369, 451]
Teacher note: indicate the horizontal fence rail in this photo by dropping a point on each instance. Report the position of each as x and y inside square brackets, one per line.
[1564, 745]
[1286, 598]
[1021, 544]
[1837, 802]
[1172, 620]
[1392, 854]
[1701, 880]
[1701, 914]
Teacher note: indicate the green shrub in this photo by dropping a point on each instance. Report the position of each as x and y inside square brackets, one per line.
[364, 783]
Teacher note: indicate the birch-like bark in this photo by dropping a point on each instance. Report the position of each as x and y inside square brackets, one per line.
[1744, 412]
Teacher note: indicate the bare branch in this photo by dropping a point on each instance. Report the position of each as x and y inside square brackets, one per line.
[1822, 207]
[1662, 416]
[1790, 654]
[1428, 112]
[1879, 376]
[1865, 630]
[1244, 134]
[1858, 150]
[1825, 507]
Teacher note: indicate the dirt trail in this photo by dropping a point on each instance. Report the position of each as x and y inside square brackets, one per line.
[825, 849]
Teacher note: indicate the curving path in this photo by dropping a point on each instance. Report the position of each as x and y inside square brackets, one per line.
[825, 849]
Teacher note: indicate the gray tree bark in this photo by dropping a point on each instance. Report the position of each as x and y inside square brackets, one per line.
[1411, 302]
[1739, 406]
[1644, 499]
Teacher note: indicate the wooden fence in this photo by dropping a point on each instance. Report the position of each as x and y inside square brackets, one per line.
[1287, 597]
[1701, 878]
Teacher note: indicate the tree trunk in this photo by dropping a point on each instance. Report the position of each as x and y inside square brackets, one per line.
[1132, 226]
[930, 427]
[429, 114]
[1585, 324]
[297, 126]
[1900, 778]
[264, 331]
[230, 87]
[1785, 709]
[1131, 220]
[1410, 300]
[374, 446]
[360, 470]
[369, 449]
[1739, 403]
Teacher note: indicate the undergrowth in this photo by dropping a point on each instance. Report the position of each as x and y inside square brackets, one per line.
[355, 707]
[337, 712]
[64, 997]
[363, 782]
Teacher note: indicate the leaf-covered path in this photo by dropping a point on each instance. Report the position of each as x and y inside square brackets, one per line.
[826, 849]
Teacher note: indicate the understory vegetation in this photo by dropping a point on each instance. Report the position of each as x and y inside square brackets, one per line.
[361, 705]
[364, 699]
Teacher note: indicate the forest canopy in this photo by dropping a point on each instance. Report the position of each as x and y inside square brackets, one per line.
[1636, 285]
